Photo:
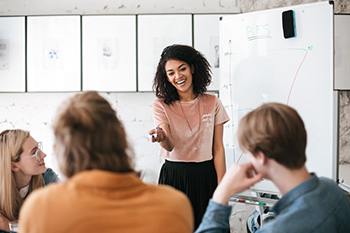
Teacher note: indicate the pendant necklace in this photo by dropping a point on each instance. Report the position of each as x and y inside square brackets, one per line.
[188, 123]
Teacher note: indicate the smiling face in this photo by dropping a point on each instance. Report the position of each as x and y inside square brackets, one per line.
[29, 165]
[179, 74]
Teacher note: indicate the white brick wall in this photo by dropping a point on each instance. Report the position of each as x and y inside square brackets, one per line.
[35, 112]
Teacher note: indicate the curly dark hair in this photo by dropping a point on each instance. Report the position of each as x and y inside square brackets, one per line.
[201, 77]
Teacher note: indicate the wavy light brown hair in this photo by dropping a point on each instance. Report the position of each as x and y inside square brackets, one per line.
[89, 136]
[201, 77]
[11, 148]
[278, 131]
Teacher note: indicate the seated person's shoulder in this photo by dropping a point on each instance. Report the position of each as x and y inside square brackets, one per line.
[50, 176]
[331, 188]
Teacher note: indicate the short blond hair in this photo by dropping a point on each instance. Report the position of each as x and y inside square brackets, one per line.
[278, 131]
[89, 136]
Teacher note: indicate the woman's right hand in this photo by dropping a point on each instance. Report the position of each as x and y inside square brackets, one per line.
[157, 134]
[162, 135]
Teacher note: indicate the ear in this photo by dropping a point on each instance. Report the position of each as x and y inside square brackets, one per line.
[14, 167]
[261, 157]
[192, 69]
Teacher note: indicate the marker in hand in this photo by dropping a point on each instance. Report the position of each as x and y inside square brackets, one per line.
[154, 136]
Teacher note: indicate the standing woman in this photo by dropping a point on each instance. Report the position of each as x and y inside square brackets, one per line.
[22, 170]
[189, 126]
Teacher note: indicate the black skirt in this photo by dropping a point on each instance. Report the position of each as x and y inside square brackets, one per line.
[197, 180]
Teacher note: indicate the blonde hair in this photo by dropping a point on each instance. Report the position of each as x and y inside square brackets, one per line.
[89, 136]
[278, 131]
[11, 147]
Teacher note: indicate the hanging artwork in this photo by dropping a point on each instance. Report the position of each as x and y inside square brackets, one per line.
[12, 54]
[206, 39]
[109, 53]
[155, 32]
[54, 53]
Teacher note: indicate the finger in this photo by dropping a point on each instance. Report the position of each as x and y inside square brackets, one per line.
[257, 178]
[250, 173]
[152, 131]
[161, 134]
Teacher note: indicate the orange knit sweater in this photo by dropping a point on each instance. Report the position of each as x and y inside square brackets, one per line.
[100, 201]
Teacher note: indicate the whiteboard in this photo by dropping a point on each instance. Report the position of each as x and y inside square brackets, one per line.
[109, 53]
[258, 65]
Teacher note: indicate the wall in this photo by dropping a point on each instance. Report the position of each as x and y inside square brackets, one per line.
[35, 7]
[35, 111]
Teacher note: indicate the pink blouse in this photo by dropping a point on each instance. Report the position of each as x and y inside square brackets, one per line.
[191, 125]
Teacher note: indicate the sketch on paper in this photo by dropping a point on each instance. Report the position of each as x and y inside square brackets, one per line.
[52, 54]
[108, 53]
[4, 55]
[214, 51]
[159, 43]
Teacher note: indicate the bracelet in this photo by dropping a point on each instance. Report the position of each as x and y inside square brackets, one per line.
[158, 128]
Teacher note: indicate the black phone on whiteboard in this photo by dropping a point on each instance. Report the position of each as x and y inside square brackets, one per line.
[288, 22]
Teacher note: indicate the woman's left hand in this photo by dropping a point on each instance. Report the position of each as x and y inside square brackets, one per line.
[4, 223]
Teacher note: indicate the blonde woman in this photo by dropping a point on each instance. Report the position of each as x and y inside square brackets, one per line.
[103, 192]
[22, 170]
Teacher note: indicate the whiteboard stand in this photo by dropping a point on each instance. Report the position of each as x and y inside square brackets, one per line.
[255, 199]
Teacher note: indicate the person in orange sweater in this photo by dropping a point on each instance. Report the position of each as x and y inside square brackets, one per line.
[103, 192]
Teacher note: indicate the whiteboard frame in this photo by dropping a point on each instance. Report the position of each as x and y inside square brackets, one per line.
[54, 53]
[160, 30]
[330, 168]
[12, 54]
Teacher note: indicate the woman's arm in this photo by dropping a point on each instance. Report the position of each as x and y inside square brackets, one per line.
[4, 223]
[219, 152]
[163, 136]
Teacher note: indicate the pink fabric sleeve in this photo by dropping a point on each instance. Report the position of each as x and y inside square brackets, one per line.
[221, 116]
[159, 115]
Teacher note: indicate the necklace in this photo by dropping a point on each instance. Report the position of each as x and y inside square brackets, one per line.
[199, 116]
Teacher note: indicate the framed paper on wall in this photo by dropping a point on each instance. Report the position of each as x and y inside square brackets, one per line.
[155, 32]
[206, 40]
[12, 54]
[109, 53]
[53, 53]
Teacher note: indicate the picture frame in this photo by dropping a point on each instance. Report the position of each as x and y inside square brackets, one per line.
[109, 53]
[54, 53]
[12, 54]
[206, 33]
[155, 32]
